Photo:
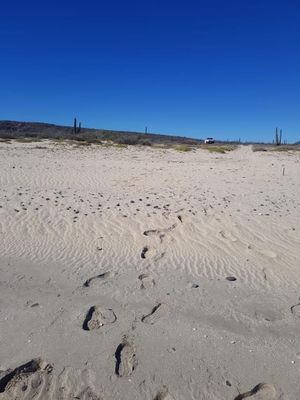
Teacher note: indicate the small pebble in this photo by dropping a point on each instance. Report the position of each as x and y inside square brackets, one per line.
[231, 278]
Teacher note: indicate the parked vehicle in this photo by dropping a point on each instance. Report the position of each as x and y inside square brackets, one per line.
[209, 140]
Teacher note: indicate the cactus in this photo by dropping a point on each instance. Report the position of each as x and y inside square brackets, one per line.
[75, 126]
[278, 137]
[75, 129]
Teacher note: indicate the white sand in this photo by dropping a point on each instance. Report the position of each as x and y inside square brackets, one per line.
[169, 228]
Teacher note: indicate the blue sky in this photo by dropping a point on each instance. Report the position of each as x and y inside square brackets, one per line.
[228, 69]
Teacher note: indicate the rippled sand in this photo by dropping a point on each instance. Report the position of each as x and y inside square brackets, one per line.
[146, 273]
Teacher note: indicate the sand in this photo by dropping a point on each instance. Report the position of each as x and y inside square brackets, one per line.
[142, 273]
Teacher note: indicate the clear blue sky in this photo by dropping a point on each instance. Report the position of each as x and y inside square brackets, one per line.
[228, 69]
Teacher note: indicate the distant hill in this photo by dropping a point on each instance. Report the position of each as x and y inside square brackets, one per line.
[15, 129]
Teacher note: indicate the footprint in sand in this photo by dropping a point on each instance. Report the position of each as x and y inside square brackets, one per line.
[144, 251]
[161, 233]
[163, 395]
[97, 317]
[91, 280]
[228, 236]
[156, 313]
[261, 309]
[268, 253]
[88, 394]
[147, 282]
[27, 376]
[152, 232]
[35, 380]
[262, 391]
[268, 314]
[152, 254]
[125, 359]
[295, 310]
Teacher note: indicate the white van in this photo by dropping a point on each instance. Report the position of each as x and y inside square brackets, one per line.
[209, 140]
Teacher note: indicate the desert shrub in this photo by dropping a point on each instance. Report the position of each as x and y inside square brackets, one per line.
[218, 149]
[258, 148]
[77, 138]
[282, 148]
[58, 140]
[160, 146]
[80, 143]
[132, 141]
[285, 148]
[97, 141]
[31, 135]
[182, 147]
[109, 136]
[145, 142]
[6, 136]
[27, 139]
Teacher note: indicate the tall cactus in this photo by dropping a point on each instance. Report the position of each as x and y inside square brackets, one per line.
[278, 137]
[75, 126]
[75, 129]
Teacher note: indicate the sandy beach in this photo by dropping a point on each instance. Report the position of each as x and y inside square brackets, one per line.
[148, 273]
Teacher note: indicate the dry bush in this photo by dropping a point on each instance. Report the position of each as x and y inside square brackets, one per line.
[221, 149]
[182, 147]
[27, 140]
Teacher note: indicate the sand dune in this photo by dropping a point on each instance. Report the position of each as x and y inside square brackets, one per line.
[145, 273]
